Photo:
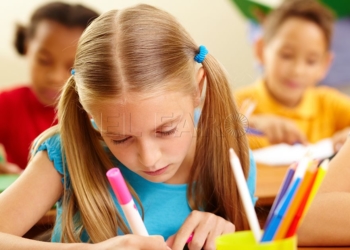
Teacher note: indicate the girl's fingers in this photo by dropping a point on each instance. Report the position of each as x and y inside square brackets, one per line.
[170, 240]
[13, 169]
[229, 228]
[148, 243]
[201, 234]
[217, 231]
[186, 230]
[199, 240]
[205, 228]
[132, 242]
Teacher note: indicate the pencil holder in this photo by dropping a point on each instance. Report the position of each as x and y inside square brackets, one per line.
[245, 240]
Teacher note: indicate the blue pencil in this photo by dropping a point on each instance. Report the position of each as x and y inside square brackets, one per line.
[252, 131]
[281, 209]
[285, 184]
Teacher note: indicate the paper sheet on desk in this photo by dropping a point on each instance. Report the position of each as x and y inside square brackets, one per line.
[284, 154]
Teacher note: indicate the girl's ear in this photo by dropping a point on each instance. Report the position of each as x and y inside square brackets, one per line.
[259, 50]
[199, 82]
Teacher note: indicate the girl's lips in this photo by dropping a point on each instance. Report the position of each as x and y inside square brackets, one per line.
[157, 172]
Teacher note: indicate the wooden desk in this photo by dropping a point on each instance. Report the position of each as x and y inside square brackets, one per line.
[269, 180]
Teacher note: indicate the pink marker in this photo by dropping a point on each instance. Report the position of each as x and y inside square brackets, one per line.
[189, 238]
[126, 202]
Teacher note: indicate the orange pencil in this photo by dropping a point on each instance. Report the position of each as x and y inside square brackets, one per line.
[322, 170]
[305, 204]
[292, 210]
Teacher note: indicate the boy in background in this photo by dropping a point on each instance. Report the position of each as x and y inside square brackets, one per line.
[295, 53]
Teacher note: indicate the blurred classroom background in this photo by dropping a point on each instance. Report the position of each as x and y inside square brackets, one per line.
[216, 24]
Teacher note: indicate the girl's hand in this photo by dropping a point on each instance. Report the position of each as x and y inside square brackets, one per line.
[278, 129]
[6, 167]
[132, 242]
[9, 168]
[339, 138]
[205, 228]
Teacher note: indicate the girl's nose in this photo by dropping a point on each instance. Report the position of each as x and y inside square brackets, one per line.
[149, 152]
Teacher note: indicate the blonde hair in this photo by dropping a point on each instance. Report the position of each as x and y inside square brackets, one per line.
[143, 50]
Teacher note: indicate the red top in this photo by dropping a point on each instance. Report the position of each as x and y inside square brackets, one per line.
[22, 119]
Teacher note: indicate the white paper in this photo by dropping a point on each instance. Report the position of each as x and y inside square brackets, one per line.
[284, 154]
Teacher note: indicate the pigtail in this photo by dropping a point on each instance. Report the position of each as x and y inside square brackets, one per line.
[219, 128]
[20, 39]
[88, 192]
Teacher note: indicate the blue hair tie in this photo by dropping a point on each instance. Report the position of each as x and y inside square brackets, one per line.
[199, 58]
[72, 72]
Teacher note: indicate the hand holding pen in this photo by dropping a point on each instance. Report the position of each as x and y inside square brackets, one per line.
[204, 228]
[277, 129]
[126, 202]
[138, 240]
[132, 242]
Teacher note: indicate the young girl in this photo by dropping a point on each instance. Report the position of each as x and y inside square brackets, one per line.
[49, 43]
[136, 74]
[327, 223]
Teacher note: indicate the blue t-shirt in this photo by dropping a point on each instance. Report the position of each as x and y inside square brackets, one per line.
[165, 205]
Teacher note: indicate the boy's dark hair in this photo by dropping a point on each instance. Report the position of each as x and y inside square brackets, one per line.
[66, 14]
[309, 10]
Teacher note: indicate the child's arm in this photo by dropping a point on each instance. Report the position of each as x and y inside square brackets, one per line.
[8, 241]
[327, 221]
[126, 242]
[277, 129]
[32, 195]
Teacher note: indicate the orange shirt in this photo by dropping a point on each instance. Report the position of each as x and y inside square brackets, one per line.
[321, 112]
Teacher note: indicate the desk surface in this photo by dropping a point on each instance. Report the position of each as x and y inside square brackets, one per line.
[269, 180]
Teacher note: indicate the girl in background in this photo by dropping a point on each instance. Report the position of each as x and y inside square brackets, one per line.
[140, 76]
[49, 43]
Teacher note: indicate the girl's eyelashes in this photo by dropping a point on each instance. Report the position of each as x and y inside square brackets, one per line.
[158, 133]
[166, 133]
[121, 141]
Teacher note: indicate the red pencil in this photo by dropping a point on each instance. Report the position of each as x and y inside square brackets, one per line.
[294, 224]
